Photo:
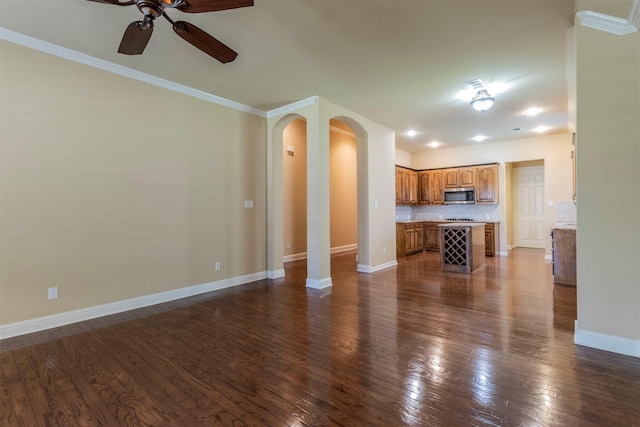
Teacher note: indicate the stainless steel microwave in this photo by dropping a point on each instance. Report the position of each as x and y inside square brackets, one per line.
[459, 196]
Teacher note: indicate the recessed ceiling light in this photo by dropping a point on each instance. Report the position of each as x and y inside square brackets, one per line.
[533, 111]
[412, 133]
[434, 144]
[541, 129]
[479, 138]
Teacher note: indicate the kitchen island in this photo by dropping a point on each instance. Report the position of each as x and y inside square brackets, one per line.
[462, 246]
[563, 242]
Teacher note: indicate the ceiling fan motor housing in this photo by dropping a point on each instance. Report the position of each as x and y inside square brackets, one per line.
[149, 8]
[171, 3]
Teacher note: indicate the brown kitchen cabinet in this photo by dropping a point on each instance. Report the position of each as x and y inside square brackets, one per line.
[409, 238]
[459, 177]
[487, 184]
[490, 238]
[431, 236]
[427, 186]
[399, 173]
[406, 186]
[436, 186]
[563, 242]
[413, 187]
[424, 188]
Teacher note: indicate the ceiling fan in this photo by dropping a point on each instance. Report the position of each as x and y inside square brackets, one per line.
[138, 33]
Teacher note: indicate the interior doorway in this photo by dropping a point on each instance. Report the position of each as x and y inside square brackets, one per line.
[343, 164]
[343, 177]
[528, 204]
[294, 190]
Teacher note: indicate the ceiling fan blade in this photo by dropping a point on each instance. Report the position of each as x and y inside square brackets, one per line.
[135, 38]
[199, 6]
[205, 42]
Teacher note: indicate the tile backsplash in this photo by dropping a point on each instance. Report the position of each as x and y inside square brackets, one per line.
[566, 212]
[433, 212]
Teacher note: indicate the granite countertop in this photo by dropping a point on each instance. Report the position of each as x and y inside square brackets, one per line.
[444, 221]
[463, 224]
[564, 226]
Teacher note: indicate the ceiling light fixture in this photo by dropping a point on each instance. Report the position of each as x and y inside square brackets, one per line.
[533, 111]
[412, 133]
[482, 101]
[479, 138]
[434, 144]
[541, 129]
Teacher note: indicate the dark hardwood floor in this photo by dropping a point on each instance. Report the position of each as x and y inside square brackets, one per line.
[408, 346]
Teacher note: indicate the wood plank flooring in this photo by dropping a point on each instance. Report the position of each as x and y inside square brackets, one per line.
[408, 346]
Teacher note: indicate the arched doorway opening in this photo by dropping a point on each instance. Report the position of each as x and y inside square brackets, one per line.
[318, 176]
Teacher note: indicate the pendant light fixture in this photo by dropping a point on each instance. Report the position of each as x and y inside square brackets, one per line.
[482, 101]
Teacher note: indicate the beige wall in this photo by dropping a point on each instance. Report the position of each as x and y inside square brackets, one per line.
[344, 186]
[113, 189]
[554, 150]
[294, 183]
[375, 194]
[403, 158]
[608, 175]
[343, 182]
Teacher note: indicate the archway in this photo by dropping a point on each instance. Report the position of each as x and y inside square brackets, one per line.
[375, 193]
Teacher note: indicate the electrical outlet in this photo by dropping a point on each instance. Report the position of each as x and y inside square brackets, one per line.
[52, 293]
[384, 249]
[217, 265]
[288, 245]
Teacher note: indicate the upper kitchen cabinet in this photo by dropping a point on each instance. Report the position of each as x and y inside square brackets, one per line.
[413, 187]
[424, 189]
[398, 185]
[487, 184]
[406, 186]
[436, 187]
[459, 177]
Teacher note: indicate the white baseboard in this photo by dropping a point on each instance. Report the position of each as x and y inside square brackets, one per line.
[319, 283]
[548, 257]
[60, 319]
[345, 248]
[335, 250]
[612, 343]
[294, 257]
[275, 274]
[361, 268]
[503, 253]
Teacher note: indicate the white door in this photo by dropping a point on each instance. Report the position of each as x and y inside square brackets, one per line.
[529, 231]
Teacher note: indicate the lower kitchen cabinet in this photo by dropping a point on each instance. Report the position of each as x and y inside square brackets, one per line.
[431, 236]
[490, 238]
[409, 238]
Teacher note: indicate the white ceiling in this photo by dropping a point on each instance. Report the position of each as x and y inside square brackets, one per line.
[400, 63]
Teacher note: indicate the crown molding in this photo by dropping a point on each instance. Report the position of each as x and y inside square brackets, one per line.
[75, 56]
[634, 14]
[612, 24]
[72, 55]
[293, 107]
